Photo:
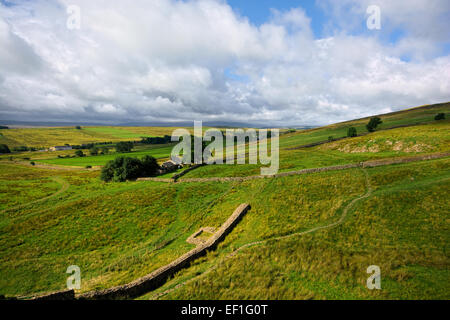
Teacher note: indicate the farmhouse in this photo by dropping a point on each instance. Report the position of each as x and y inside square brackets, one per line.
[60, 148]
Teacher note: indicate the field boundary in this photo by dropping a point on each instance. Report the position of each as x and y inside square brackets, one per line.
[159, 276]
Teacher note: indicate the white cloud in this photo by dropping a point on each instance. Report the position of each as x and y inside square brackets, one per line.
[166, 60]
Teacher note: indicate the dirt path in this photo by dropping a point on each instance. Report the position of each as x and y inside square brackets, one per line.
[255, 243]
[64, 186]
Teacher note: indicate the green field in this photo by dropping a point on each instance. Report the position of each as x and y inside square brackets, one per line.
[159, 152]
[49, 137]
[309, 236]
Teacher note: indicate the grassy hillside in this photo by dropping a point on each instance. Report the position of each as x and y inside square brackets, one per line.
[399, 142]
[402, 227]
[395, 217]
[413, 116]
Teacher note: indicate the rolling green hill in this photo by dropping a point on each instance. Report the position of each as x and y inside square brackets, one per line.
[307, 236]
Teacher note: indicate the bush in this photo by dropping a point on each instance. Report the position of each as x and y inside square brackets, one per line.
[79, 153]
[351, 132]
[32, 163]
[124, 146]
[373, 124]
[104, 150]
[78, 127]
[4, 148]
[88, 167]
[126, 168]
[330, 138]
[94, 151]
[440, 116]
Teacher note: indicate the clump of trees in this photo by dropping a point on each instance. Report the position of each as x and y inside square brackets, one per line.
[351, 132]
[440, 116]
[124, 146]
[373, 124]
[4, 148]
[79, 153]
[126, 168]
[156, 140]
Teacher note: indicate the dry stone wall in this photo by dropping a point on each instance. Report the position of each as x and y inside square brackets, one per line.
[159, 276]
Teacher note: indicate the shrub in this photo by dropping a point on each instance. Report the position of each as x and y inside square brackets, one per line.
[4, 148]
[330, 138]
[79, 153]
[88, 167]
[351, 132]
[149, 165]
[32, 163]
[78, 127]
[127, 168]
[124, 146]
[440, 116]
[93, 151]
[373, 124]
[104, 150]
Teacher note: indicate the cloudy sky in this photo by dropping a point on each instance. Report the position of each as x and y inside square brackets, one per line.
[262, 62]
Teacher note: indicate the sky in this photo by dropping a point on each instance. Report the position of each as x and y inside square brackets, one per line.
[259, 62]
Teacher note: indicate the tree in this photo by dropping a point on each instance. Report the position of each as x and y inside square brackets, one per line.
[373, 124]
[330, 138]
[78, 127]
[104, 150]
[440, 116]
[351, 132]
[79, 153]
[149, 166]
[93, 151]
[127, 168]
[4, 148]
[124, 146]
